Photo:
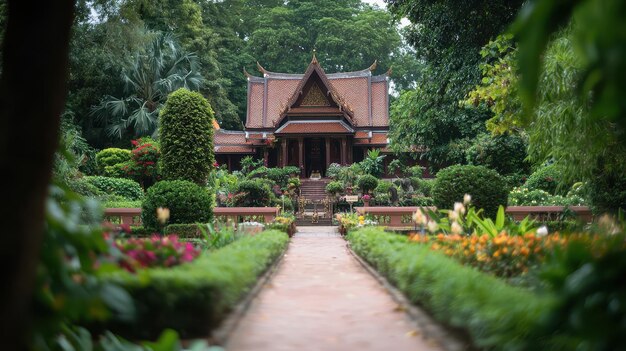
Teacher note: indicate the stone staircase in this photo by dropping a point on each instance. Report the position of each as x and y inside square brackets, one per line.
[315, 192]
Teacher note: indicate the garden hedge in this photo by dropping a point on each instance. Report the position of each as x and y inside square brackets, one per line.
[495, 315]
[193, 298]
[487, 188]
[186, 133]
[187, 202]
[107, 159]
[126, 188]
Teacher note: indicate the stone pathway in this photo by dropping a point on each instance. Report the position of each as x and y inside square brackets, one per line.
[321, 298]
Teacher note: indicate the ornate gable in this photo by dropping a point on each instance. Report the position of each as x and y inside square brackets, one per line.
[315, 97]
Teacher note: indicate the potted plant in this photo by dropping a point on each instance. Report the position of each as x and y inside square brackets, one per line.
[366, 200]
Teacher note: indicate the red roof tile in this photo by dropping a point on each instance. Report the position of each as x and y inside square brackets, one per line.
[377, 139]
[227, 149]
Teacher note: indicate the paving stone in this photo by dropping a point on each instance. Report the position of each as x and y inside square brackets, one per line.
[322, 299]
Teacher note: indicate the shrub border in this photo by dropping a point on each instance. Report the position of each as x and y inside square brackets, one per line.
[150, 283]
[485, 319]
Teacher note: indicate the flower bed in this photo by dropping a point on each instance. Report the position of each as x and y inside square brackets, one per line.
[194, 297]
[156, 251]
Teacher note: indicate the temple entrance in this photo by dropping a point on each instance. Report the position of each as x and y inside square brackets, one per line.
[314, 156]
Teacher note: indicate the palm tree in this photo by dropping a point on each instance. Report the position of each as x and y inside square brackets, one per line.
[160, 69]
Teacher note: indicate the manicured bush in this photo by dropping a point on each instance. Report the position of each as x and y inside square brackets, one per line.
[193, 298]
[111, 157]
[144, 164]
[548, 179]
[187, 202]
[496, 315]
[83, 187]
[335, 187]
[486, 186]
[127, 188]
[258, 193]
[114, 203]
[367, 183]
[186, 133]
[294, 182]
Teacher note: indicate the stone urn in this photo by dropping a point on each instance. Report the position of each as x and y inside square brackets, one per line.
[366, 200]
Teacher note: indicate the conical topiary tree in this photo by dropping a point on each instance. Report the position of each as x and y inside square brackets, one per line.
[186, 134]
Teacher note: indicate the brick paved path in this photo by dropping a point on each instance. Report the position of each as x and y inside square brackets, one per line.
[321, 298]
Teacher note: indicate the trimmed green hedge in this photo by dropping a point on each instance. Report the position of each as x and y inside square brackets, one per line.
[193, 298]
[187, 137]
[127, 188]
[187, 202]
[495, 314]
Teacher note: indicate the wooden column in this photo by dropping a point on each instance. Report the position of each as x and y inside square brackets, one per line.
[230, 167]
[266, 157]
[301, 157]
[344, 152]
[283, 161]
[350, 152]
[327, 152]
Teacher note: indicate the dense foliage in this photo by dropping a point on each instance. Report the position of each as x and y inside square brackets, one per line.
[486, 186]
[186, 201]
[548, 179]
[126, 188]
[186, 134]
[447, 36]
[254, 193]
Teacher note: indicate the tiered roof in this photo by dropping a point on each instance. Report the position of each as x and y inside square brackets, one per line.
[362, 98]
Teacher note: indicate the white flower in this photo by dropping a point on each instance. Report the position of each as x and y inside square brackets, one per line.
[453, 215]
[458, 207]
[419, 218]
[455, 228]
[433, 226]
[542, 231]
[163, 214]
[467, 198]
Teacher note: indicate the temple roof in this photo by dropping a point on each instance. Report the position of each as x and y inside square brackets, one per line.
[361, 98]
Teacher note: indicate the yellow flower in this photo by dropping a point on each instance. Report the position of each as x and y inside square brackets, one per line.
[419, 218]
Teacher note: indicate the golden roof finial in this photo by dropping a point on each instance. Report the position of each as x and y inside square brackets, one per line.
[373, 66]
[314, 60]
[260, 68]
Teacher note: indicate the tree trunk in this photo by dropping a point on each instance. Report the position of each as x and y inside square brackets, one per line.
[32, 97]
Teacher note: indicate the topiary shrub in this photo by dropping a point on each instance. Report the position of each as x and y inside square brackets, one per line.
[423, 186]
[335, 187]
[107, 159]
[258, 193]
[127, 188]
[486, 186]
[548, 179]
[187, 202]
[367, 183]
[187, 137]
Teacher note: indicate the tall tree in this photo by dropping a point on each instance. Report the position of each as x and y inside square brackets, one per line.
[28, 58]
[162, 68]
[447, 37]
